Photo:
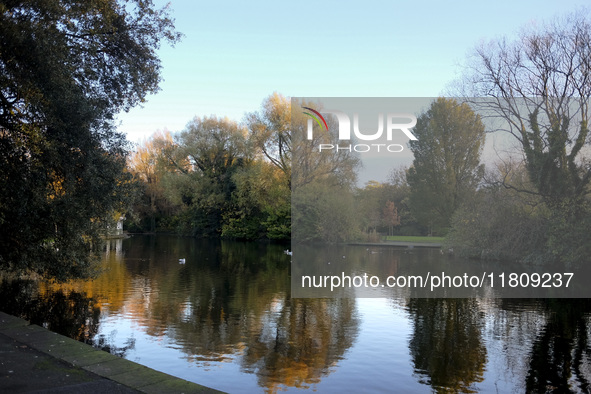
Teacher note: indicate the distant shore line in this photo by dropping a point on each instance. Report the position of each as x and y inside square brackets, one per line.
[400, 244]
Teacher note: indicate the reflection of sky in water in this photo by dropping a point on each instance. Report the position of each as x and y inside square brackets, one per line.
[378, 361]
[506, 368]
[165, 354]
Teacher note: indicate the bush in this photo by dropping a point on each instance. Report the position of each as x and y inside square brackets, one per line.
[500, 225]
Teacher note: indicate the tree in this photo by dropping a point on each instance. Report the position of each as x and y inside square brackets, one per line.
[446, 167]
[324, 212]
[209, 152]
[66, 70]
[214, 146]
[390, 216]
[214, 180]
[260, 204]
[337, 167]
[399, 193]
[270, 131]
[501, 223]
[560, 349]
[370, 201]
[277, 132]
[539, 87]
[322, 183]
[148, 164]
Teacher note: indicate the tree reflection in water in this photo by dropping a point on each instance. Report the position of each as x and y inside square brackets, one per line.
[307, 338]
[560, 360]
[446, 346]
[237, 302]
[450, 355]
[231, 301]
[69, 313]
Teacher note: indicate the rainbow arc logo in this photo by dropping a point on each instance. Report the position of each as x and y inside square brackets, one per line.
[316, 116]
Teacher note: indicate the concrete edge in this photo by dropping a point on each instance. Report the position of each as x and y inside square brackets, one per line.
[101, 363]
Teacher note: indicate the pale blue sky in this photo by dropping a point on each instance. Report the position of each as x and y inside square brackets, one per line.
[236, 53]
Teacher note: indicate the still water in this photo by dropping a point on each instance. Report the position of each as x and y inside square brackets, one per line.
[225, 319]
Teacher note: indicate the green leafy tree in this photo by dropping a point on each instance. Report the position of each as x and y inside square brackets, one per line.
[502, 223]
[370, 201]
[66, 69]
[324, 212]
[260, 204]
[220, 178]
[398, 191]
[446, 167]
[208, 154]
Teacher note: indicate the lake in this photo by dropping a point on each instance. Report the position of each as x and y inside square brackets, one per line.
[225, 319]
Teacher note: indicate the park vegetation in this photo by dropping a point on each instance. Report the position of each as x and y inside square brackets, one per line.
[531, 205]
[218, 178]
[535, 205]
[66, 69]
[69, 68]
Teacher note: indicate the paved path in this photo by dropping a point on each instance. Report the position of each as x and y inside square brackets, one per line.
[36, 360]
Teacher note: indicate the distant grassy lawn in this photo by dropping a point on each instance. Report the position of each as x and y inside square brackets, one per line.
[408, 238]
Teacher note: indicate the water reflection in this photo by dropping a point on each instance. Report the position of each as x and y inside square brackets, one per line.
[447, 348]
[301, 342]
[228, 300]
[230, 304]
[70, 313]
[560, 358]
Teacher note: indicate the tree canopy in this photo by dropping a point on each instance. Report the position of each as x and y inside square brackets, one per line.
[446, 167]
[270, 130]
[540, 86]
[538, 89]
[66, 69]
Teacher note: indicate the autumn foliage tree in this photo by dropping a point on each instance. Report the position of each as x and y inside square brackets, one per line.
[219, 178]
[271, 131]
[148, 164]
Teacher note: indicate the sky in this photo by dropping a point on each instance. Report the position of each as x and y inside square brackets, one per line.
[235, 54]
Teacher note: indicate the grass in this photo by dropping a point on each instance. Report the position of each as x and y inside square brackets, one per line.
[409, 238]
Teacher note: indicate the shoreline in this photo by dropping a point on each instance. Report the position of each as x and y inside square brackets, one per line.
[400, 244]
